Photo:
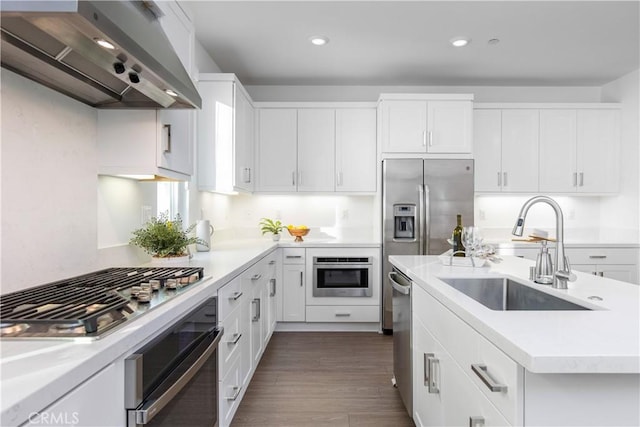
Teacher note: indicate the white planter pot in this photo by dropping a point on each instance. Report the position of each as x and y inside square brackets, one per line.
[169, 261]
[276, 237]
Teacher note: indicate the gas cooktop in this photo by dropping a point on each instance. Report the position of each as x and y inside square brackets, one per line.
[92, 304]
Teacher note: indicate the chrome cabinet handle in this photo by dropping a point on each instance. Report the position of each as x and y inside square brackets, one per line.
[167, 143]
[235, 338]
[424, 138]
[481, 371]
[256, 302]
[272, 262]
[575, 179]
[256, 277]
[339, 184]
[301, 279]
[504, 180]
[581, 179]
[476, 421]
[432, 362]
[235, 296]
[236, 393]
[293, 256]
[273, 287]
[343, 314]
[430, 139]
[597, 256]
[499, 179]
[425, 369]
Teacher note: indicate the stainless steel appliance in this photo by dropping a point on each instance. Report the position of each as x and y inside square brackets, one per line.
[64, 44]
[420, 200]
[92, 305]
[402, 360]
[173, 380]
[342, 276]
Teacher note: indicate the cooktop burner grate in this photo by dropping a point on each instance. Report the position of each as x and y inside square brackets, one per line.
[91, 301]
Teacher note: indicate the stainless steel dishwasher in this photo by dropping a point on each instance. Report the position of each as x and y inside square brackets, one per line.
[402, 360]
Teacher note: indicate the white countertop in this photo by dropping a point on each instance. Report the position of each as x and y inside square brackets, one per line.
[606, 340]
[36, 372]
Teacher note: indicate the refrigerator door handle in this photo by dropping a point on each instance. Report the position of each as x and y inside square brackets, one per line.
[427, 219]
[421, 219]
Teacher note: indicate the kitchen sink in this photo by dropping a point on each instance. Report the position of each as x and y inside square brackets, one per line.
[501, 293]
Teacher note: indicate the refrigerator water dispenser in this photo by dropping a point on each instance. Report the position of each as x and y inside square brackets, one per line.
[404, 219]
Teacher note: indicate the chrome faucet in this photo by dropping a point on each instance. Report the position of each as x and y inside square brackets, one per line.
[562, 269]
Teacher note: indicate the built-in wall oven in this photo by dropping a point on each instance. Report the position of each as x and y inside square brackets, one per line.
[173, 380]
[342, 276]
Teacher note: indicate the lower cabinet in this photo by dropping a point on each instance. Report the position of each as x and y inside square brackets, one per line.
[246, 308]
[293, 285]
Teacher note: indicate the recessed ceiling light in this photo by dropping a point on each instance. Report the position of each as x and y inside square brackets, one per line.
[105, 44]
[170, 92]
[319, 40]
[460, 41]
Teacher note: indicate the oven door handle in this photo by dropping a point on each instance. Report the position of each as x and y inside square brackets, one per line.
[145, 414]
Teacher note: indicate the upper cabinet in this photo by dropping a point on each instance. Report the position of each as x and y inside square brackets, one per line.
[145, 143]
[178, 27]
[426, 124]
[551, 148]
[316, 148]
[225, 135]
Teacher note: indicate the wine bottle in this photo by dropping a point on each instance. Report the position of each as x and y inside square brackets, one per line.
[456, 237]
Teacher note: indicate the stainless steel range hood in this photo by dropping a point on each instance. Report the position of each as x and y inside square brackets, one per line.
[55, 43]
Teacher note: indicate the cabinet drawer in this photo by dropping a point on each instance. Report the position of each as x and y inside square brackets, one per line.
[233, 341]
[478, 358]
[602, 255]
[347, 313]
[271, 261]
[293, 255]
[230, 393]
[230, 296]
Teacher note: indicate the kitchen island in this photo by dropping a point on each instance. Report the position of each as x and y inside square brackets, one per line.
[522, 367]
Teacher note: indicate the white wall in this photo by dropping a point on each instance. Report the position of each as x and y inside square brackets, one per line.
[49, 222]
[371, 93]
[623, 210]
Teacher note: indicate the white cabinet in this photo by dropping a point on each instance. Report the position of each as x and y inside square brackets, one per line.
[425, 124]
[81, 406]
[316, 149]
[178, 27]
[293, 285]
[506, 150]
[277, 152]
[225, 135]
[355, 150]
[615, 263]
[145, 143]
[579, 150]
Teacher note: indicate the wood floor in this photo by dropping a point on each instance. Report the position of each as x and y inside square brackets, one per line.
[324, 379]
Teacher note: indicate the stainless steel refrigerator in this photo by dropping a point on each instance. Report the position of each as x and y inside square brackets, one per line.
[420, 201]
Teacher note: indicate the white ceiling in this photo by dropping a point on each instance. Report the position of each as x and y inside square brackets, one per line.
[542, 43]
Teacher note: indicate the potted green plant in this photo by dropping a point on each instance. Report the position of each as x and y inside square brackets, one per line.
[270, 226]
[165, 239]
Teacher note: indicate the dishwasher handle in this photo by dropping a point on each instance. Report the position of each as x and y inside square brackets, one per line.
[403, 289]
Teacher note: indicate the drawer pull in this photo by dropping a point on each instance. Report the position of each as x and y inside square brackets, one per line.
[294, 256]
[481, 371]
[235, 296]
[272, 262]
[432, 362]
[235, 339]
[236, 393]
[256, 302]
[343, 314]
[597, 256]
[273, 287]
[476, 421]
[256, 277]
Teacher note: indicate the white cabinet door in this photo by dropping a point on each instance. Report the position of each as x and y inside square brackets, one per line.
[520, 150]
[175, 139]
[316, 149]
[557, 166]
[449, 126]
[243, 142]
[257, 323]
[598, 155]
[355, 150]
[404, 126]
[487, 149]
[277, 149]
[293, 297]
[428, 409]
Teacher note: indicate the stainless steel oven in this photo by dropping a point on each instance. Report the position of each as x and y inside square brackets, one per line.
[173, 380]
[342, 276]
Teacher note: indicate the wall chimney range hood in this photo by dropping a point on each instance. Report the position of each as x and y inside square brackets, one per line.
[107, 54]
